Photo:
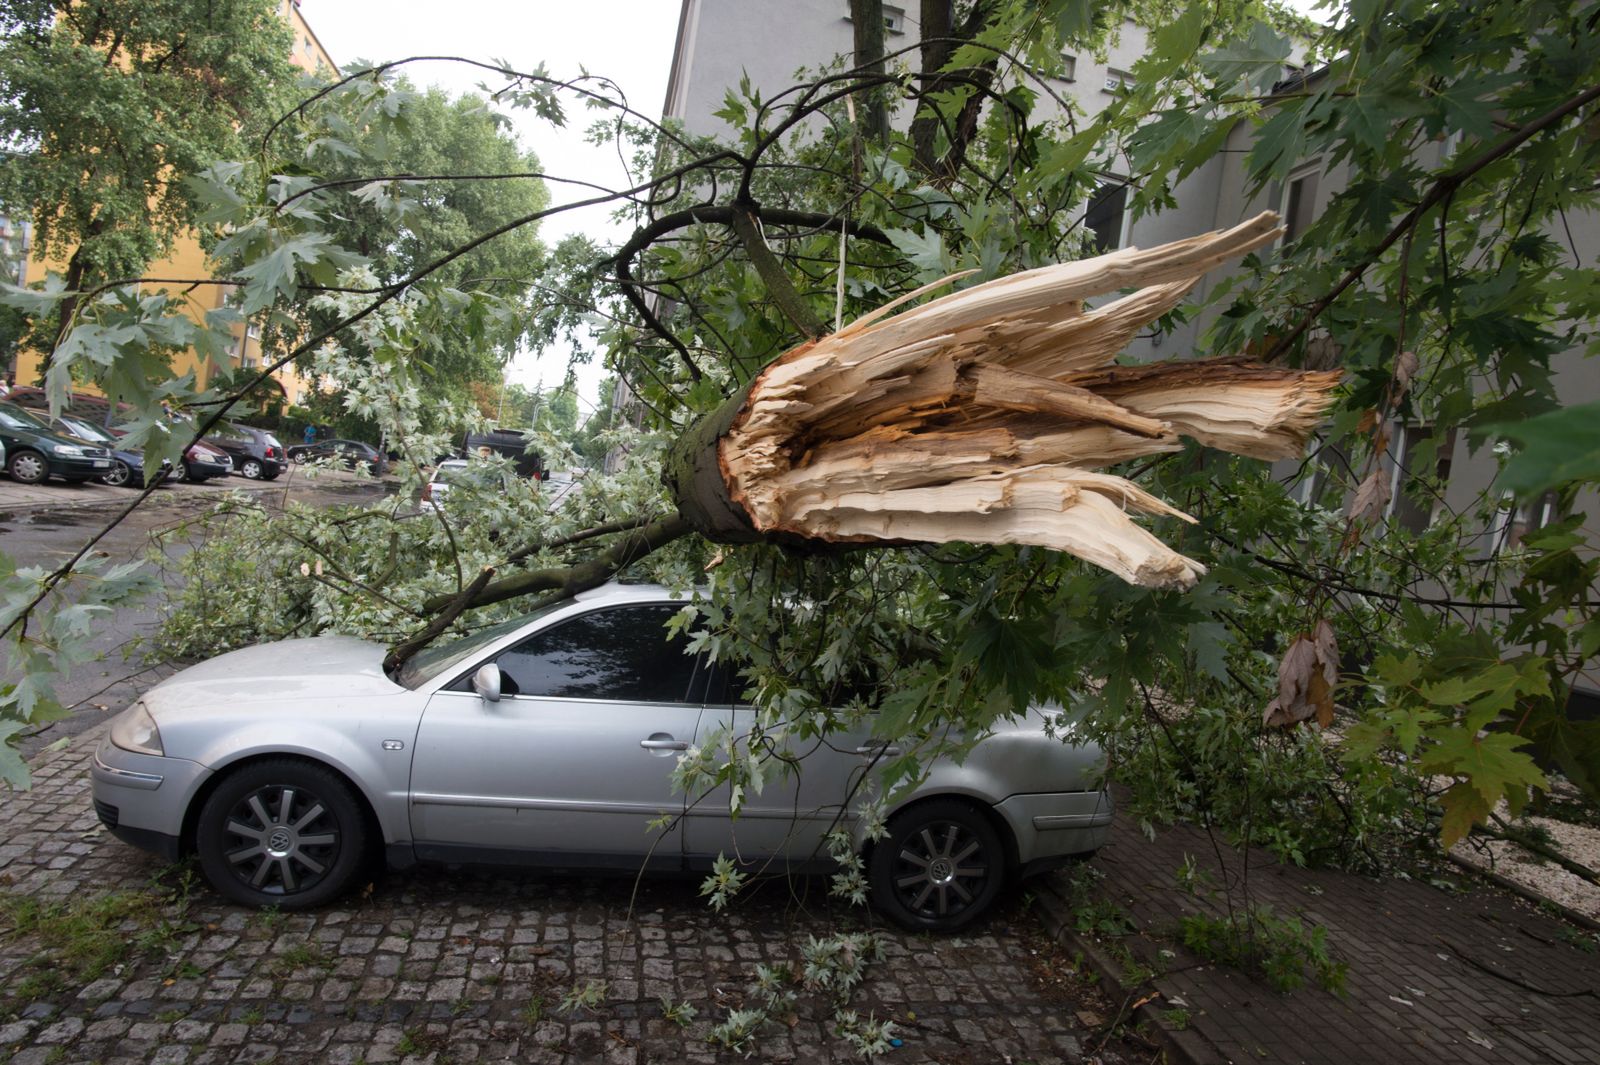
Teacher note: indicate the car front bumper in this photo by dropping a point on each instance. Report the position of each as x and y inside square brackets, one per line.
[1052, 827]
[75, 468]
[141, 798]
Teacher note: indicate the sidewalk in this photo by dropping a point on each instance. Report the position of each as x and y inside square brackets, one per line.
[436, 966]
[56, 494]
[1471, 975]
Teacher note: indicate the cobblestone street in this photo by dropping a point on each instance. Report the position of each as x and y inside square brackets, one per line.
[437, 966]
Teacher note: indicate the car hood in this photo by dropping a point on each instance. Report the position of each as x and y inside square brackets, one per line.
[324, 667]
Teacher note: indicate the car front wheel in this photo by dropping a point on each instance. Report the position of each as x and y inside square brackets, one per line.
[281, 832]
[939, 868]
[28, 467]
[251, 468]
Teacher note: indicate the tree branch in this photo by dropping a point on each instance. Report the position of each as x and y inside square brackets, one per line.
[1442, 189]
[572, 580]
[447, 616]
[778, 285]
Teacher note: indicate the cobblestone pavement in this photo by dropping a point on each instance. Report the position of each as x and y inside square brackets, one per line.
[1451, 971]
[136, 963]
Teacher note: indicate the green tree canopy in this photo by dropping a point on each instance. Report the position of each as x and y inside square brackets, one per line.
[107, 107]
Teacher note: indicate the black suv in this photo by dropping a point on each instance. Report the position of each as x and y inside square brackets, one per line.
[256, 453]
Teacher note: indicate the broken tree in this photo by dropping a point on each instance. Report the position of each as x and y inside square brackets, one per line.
[982, 417]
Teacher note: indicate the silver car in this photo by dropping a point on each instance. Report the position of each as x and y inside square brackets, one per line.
[549, 741]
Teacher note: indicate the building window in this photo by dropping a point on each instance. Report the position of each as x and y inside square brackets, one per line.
[1415, 493]
[1069, 67]
[894, 19]
[1107, 215]
[1299, 204]
[1515, 522]
[1117, 80]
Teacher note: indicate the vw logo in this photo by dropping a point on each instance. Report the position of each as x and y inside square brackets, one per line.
[280, 841]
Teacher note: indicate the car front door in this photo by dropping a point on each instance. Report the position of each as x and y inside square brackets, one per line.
[571, 766]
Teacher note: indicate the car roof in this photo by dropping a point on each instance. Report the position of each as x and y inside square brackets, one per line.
[614, 592]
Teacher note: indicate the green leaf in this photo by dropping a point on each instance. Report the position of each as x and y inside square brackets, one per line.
[1491, 763]
[1557, 448]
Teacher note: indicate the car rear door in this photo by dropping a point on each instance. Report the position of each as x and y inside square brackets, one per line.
[571, 766]
[789, 818]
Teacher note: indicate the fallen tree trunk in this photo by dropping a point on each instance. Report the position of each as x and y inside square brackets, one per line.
[981, 416]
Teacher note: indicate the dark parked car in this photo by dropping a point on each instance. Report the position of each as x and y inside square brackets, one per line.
[349, 453]
[127, 466]
[201, 463]
[35, 452]
[256, 453]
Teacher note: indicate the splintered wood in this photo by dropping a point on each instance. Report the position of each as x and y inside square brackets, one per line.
[982, 415]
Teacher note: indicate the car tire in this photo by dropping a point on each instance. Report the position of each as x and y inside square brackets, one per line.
[180, 473]
[251, 468]
[939, 868]
[255, 851]
[120, 475]
[28, 467]
[298, 456]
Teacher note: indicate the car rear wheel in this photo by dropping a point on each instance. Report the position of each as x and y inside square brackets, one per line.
[939, 868]
[120, 475]
[283, 833]
[28, 467]
[252, 469]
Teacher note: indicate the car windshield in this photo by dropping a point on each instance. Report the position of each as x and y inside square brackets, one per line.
[14, 417]
[443, 657]
[87, 431]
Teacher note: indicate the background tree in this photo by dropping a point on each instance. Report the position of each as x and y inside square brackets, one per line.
[107, 107]
[463, 140]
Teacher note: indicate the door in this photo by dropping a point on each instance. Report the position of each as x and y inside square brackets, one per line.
[790, 818]
[571, 766]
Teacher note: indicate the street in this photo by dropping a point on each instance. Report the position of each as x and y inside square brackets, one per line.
[44, 525]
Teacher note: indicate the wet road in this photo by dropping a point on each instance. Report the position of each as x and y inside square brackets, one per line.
[167, 526]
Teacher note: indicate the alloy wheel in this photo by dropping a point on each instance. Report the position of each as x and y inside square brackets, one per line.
[940, 870]
[119, 474]
[282, 840]
[251, 468]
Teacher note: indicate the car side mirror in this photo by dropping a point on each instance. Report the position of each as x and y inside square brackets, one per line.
[486, 682]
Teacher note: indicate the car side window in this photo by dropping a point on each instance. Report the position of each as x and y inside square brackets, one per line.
[623, 654]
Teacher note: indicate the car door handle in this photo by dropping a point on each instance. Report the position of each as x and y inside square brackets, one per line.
[887, 750]
[668, 744]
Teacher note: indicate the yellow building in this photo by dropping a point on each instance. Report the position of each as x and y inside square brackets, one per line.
[188, 259]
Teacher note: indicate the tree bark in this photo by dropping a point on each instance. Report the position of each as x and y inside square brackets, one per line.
[866, 17]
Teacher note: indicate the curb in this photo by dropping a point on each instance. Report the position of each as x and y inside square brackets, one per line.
[1179, 1046]
[1583, 920]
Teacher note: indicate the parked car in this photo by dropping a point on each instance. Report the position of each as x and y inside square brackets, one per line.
[349, 453]
[35, 452]
[202, 462]
[549, 740]
[452, 472]
[127, 465]
[256, 453]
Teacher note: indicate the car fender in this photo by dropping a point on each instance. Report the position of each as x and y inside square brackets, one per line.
[383, 777]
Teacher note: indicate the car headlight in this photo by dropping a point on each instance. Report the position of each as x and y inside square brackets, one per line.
[66, 449]
[135, 730]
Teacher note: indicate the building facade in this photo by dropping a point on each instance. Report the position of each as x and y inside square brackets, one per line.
[188, 259]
